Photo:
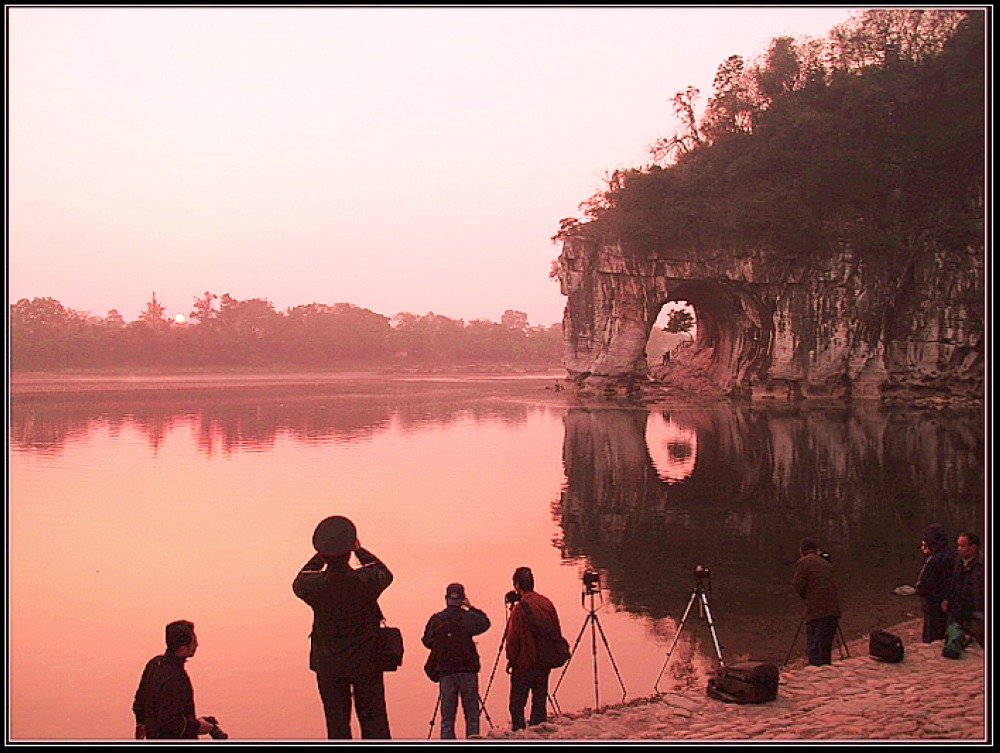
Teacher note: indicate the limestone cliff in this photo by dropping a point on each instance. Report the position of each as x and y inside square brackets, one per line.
[771, 325]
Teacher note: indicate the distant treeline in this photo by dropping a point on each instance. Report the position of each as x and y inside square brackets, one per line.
[226, 332]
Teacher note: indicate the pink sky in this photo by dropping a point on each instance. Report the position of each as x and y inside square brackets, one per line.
[400, 159]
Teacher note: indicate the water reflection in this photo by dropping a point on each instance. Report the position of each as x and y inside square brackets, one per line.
[229, 423]
[863, 481]
[448, 482]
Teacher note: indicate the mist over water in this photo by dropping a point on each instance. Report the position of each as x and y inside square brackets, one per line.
[127, 511]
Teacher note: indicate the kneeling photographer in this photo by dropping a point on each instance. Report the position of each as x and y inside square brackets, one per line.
[164, 701]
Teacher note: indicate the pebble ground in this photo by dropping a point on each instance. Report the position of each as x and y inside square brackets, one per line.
[926, 697]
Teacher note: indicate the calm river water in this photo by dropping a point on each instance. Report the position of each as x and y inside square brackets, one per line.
[131, 509]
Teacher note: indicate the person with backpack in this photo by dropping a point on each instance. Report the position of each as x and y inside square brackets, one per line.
[454, 661]
[533, 618]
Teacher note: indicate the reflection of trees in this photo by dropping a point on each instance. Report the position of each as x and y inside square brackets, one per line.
[864, 482]
[248, 421]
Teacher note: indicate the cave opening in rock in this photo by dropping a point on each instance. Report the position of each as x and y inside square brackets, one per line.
[676, 327]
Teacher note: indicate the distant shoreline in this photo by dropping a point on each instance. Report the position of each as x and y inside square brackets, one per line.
[63, 383]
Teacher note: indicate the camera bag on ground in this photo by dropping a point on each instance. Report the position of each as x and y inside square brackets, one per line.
[745, 682]
[553, 648]
[885, 646]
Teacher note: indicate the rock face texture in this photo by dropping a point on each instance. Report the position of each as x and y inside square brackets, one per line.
[774, 326]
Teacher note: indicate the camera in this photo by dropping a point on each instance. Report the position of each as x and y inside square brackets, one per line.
[216, 732]
[591, 581]
[700, 571]
[511, 598]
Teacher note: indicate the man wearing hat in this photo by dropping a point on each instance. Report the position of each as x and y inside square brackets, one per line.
[346, 617]
[454, 659]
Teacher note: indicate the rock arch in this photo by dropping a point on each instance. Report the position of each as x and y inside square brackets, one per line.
[773, 326]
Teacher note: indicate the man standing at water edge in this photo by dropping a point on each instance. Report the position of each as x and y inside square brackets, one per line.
[934, 580]
[527, 673]
[455, 660]
[813, 581]
[164, 701]
[346, 617]
[966, 602]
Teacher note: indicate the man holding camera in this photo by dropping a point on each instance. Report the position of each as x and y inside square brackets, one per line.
[530, 615]
[346, 617]
[813, 581]
[164, 701]
[454, 659]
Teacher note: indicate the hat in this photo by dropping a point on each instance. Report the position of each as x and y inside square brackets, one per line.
[455, 595]
[335, 536]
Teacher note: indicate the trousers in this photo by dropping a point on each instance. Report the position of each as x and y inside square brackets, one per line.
[368, 694]
[819, 639]
[536, 682]
[462, 686]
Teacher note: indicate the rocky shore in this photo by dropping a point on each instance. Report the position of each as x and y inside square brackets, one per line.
[925, 697]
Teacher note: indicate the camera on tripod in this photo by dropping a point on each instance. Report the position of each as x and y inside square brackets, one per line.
[701, 572]
[591, 581]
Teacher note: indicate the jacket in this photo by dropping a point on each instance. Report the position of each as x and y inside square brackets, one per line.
[522, 648]
[813, 581]
[935, 577]
[472, 621]
[164, 700]
[346, 614]
[966, 598]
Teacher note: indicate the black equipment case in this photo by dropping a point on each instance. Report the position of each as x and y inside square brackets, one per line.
[885, 646]
[745, 682]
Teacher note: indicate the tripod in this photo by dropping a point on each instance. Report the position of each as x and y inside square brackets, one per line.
[845, 653]
[697, 595]
[595, 626]
[437, 705]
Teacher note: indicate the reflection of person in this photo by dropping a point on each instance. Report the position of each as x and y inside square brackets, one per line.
[164, 701]
[934, 580]
[967, 593]
[346, 617]
[813, 580]
[453, 652]
[527, 674]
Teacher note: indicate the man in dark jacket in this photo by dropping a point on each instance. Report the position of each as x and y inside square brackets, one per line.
[455, 660]
[967, 595]
[346, 618]
[934, 580]
[164, 701]
[813, 581]
[527, 673]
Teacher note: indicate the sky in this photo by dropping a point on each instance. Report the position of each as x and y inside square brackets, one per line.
[412, 159]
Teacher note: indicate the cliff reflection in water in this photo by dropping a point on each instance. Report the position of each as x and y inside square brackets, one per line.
[864, 482]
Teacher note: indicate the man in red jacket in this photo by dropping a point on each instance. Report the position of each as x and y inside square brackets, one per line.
[527, 674]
